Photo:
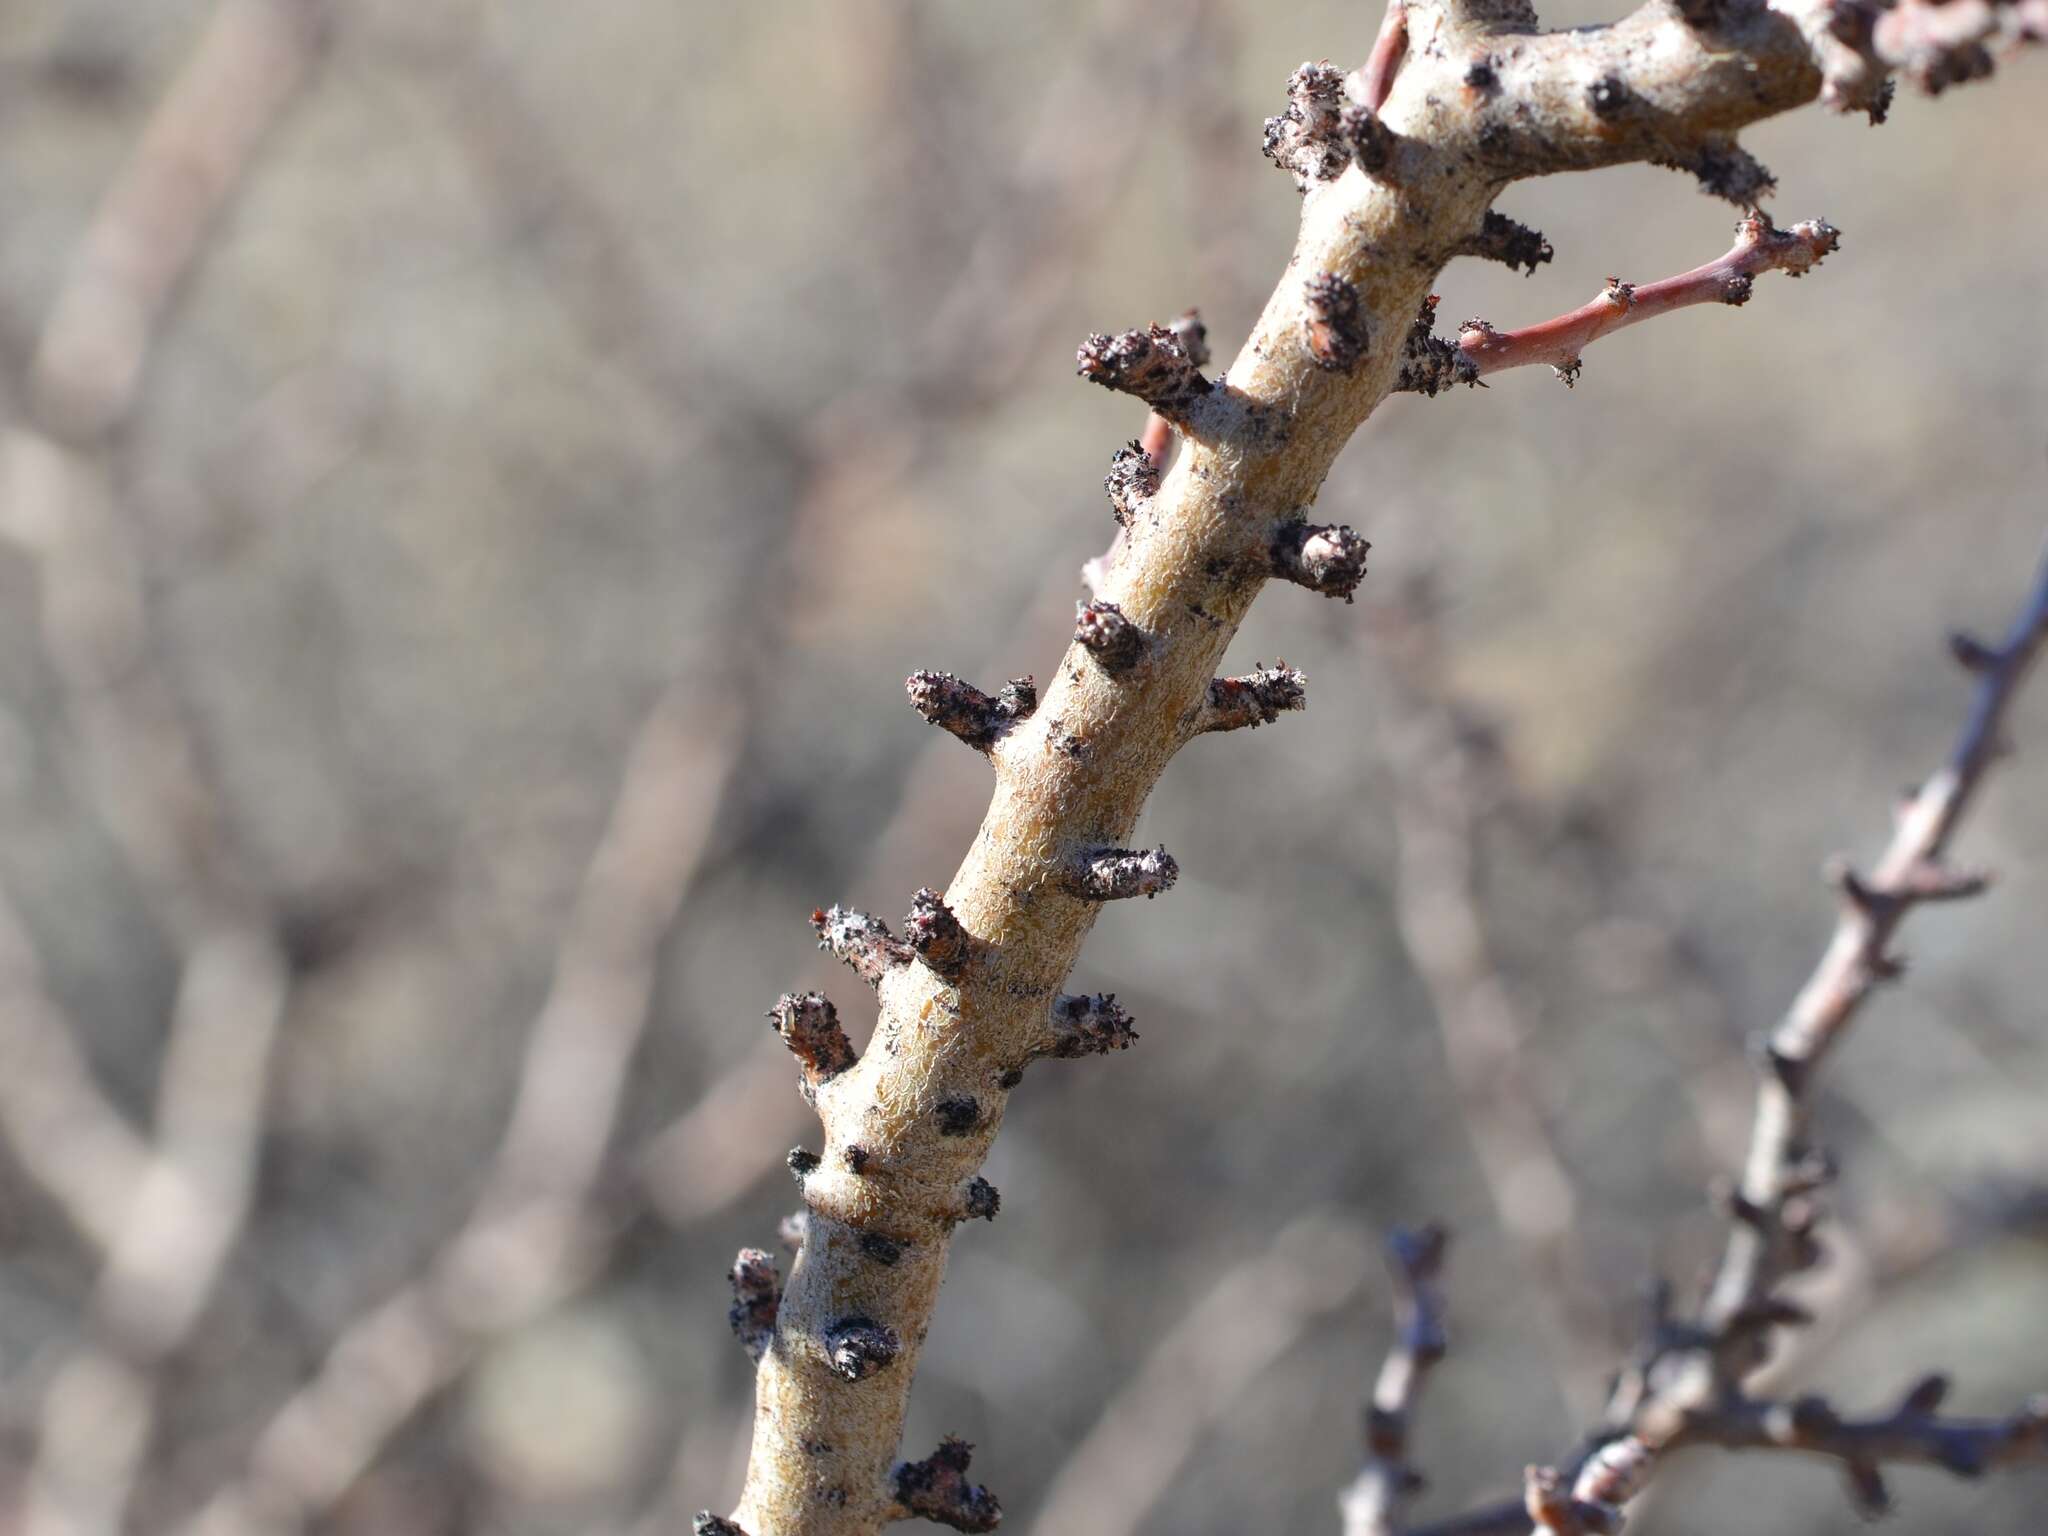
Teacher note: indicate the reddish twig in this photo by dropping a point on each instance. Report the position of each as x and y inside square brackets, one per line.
[1376, 76]
[1759, 247]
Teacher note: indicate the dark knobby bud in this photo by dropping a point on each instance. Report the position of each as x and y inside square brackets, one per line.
[1726, 170]
[1113, 640]
[1372, 142]
[809, 1026]
[936, 936]
[756, 1297]
[979, 1200]
[1607, 97]
[1152, 364]
[1335, 328]
[1307, 140]
[1501, 239]
[883, 1250]
[958, 1115]
[1329, 560]
[965, 711]
[1429, 363]
[859, 1346]
[1133, 480]
[1088, 1026]
[1255, 699]
[802, 1163]
[708, 1524]
[937, 1489]
[863, 942]
[1972, 654]
[1924, 1396]
[1116, 874]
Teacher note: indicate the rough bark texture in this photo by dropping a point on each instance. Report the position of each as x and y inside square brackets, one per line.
[1473, 104]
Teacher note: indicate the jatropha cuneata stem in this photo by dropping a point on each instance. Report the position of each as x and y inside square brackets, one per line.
[1399, 167]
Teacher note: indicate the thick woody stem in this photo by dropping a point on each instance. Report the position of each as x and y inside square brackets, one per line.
[1076, 774]
[1759, 247]
[1374, 1503]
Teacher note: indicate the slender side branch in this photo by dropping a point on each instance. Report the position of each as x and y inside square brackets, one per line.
[1759, 247]
[1688, 1388]
[1257, 698]
[1373, 1504]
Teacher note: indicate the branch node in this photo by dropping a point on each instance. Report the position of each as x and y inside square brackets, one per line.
[1372, 142]
[936, 936]
[863, 942]
[809, 1026]
[1133, 480]
[756, 1298]
[1329, 559]
[937, 1489]
[1335, 329]
[1501, 239]
[1154, 364]
[963, 710]
[1972, 654]
[1429, 363]
[859, 1346]
[1113, 640]
[1255, 699]
[1307, 140]
[1117, 874]
[1087, 1026]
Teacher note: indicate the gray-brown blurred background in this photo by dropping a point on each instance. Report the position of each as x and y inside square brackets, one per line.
[422, 419]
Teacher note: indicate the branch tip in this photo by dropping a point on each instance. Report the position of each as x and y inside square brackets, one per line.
[809, 1026]
[936, 937]
[964, 711]
[1154, 364]
[1133, 480]
[756, 1297]
[863, 942]
[1117, 874]
[937, 1489]
[858, 1347]
[1257, 698]
[1327, 559]
[1307, 140]
[1335, 328]
[1087, 1026]
[1114, 641]
[1501, 239]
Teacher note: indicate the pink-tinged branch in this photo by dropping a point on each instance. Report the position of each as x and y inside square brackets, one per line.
[1759, 247]
[1376, 76]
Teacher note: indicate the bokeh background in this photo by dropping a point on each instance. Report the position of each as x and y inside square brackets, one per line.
[474, 476]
